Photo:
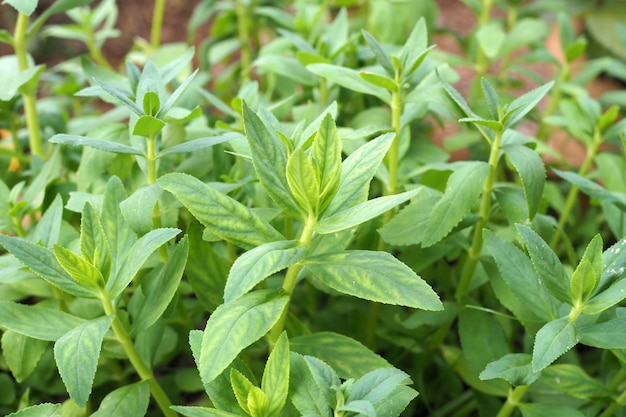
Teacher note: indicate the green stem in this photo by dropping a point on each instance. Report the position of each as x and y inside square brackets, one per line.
[94, 50]
[157, 23]
[543, 132]
[513, 400]
[151, 159]
[291, 277]
[243, 29]
[572, 196]
[145, 373]
[485, 210]
[29, 97]
[481, 59]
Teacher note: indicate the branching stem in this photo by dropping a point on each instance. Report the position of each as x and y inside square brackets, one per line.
[513, 400]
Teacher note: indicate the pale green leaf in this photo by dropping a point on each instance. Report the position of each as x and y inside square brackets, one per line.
[198, 144]
[257, 402]
[326, 158]
[181, 88]
[553, 340]
[381, 56]
[531, 170]
[21, 353]
[93, 243]
[490, 38]
[522, 105]
[493, 100]
[286, 66]
[121, 97]
[275, 382]
[137, 255]
[376, 386]
[36, 322]
[48, 228]
[259, 263]
[235, 326]
[101, 144]
[138, 209]
[151, 103]
[361, 213]
[79, 268]
[379, 81]
[306, 393]
[375, 276]
[202, 412]
[14, 78]
[26, 7]
[350, 79]
[303, 182]
[514, 368]
[222, 215]
[461, 194]
[359, 407]
[76, 354]
[39, 410]
[148, 126]
[129, 400]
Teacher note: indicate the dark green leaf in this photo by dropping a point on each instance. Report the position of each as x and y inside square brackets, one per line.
[607, 335]
[37, 322]
[462, 191]
[552, 410]
[553, 340]
[573, 380]
[514, 367]
[376, 276]
[22, 353]
[530, 168]
[259, 263]
[593, 189]
[547, 264]
[222, 215]
[493, 100]
[76, 355]
[101, 144]
[234, 326]
[130, 400]
[522, 105]
[381, 56]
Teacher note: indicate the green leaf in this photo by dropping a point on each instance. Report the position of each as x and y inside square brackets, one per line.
[160, 290]
[36, 322]
[547, 264]
[198, 144]
[306, 393]
[593, 189]
[235, 326]
[138, 209]
[531, 171]
[514, 368]
[326, 158]
[176, 68]
[343, 354]
[572, 380]
[76, 354]
[552, 340]
[490, 38]
[129, 400]
[375, 276]
[376, 386]
[79, 268]
[241, 386]
[583, 281]
[607, 298]
[26, 7]
[349, 79]
[93, 242]
[275, 382]
[379, 81]
[325, 377]
[48, 228]
[462, 191]
[522, 105]
[357, 172]
[361, 213]
[493, 100]
[137, 255]
[121, 97]
[381, 56]
[494, 125]
[101, 144]
[43, 263]
[257, 402]
[288, 67]
[303, 181]
[222, 215]
[15, 79]
[148, 126]
[21, 353]
[359, 407]
[521, 278]
[259, 263]
[202, 412]
[415, 48]
[39, 410]
[151, 103]
[607, 335]
[552, 410]
[270, 162]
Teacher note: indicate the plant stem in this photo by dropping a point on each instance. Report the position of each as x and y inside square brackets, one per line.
[29, 98]
[291, 277]
[513, 400]
[140, 366]
[243, 29]
[94, 50]
[543, 132]
[157, 23]
[485, 210]
[481, 58]
[572, 196]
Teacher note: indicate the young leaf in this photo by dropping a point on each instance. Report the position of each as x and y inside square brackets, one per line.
[350, 79]
[357, 172]
[151, 103]
[415, 48]
[160, 290]
[307, 396]
[198, 144]
[235, 326]
[375, 276]
[493, 100]
[269, 160]
[103, 145]
[303, 181]
[148, 126]
[259, 263]
[522, 105]
[76, 354]
[79, 268]
[241, 386]
[583, 281]
[381, 56]
[379, 81]
[138, 209]
[607, 298]
[222, 215]
[521, 278]
[121, 97]
[37, 322]
[325, 377]
[462, 191]
[257, 402]
[458, 99]
[361, 213]
[48, 228]
[326, 158]
[514, 368]
[129, 400]
[275, 382]
[547, 264]
[178, 92]
[137, 255]
[93, 243]
[22, 353]
[531, 170]
[552, 340]
[43, 263]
